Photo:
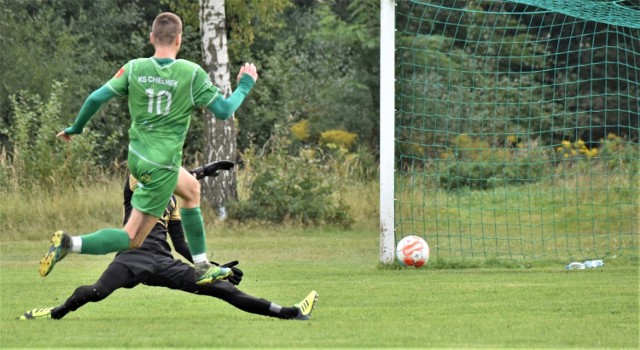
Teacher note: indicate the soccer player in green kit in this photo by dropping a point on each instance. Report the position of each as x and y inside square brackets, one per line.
[162, 92]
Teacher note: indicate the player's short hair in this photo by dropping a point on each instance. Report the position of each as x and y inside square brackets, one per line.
[166, 27]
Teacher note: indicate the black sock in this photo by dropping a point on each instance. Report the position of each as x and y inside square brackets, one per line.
[288, 312]
[59, 312]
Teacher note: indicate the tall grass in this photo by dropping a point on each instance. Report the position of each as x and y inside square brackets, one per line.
[584, 208]
[85, 208]
[568, 219]
[91, 206]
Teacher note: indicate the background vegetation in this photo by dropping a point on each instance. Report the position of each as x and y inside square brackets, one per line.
[68, 48]
[308, 140]
[308, 134]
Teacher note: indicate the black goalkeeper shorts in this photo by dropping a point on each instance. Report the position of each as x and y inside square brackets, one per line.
[155, 269]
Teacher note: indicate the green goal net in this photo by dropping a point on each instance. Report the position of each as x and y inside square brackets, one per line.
[516, 127]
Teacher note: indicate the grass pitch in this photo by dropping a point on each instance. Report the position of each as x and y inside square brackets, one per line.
[361, 305]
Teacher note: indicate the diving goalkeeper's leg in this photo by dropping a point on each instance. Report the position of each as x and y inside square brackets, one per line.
[114, 277]
[226, 291]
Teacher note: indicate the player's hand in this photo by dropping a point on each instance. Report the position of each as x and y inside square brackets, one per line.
[250, 69]
[64, 136]
[237, 273]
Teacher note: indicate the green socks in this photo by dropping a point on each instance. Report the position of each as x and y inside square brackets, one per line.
[105, 241]
[111, 240]
[193, 227]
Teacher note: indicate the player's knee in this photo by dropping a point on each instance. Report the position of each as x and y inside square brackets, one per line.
[227, 291]
[100, 291]
[191, 197]
[194, 191]
[228, 287]
[94, 292]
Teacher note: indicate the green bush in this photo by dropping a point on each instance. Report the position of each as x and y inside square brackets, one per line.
[616, 152]
[40, 161]
[473, 163]
[284, 188]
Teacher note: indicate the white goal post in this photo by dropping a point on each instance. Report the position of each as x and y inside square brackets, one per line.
[387, 130]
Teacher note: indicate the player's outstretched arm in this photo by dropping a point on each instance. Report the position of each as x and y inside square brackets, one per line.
[89, 108]
[223, 108]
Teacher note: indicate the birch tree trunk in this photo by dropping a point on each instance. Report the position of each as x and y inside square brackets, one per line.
[220, 135]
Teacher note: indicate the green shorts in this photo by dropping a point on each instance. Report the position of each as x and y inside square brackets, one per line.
[155, 186]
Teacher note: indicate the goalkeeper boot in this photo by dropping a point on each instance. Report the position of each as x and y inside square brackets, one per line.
[37, 314]
[208, 273]
[60, 247]
[306, 306]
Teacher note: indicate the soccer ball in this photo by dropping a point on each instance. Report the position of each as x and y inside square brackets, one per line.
[412, 251]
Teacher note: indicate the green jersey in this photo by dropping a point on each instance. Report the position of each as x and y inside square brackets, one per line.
[162, 93]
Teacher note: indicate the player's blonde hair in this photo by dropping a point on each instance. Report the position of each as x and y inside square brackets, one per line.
[166, 28]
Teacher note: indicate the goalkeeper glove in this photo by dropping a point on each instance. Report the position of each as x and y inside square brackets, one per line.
[211, 169]
[237, 273]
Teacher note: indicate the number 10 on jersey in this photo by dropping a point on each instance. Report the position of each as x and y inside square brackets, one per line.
[162, 97]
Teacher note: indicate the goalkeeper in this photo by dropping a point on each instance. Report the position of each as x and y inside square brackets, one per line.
[152, 264]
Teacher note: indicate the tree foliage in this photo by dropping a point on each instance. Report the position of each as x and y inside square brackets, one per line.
[318, 63]
[323, 69]
[83, 42]
[556, 57]
[296, 44]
